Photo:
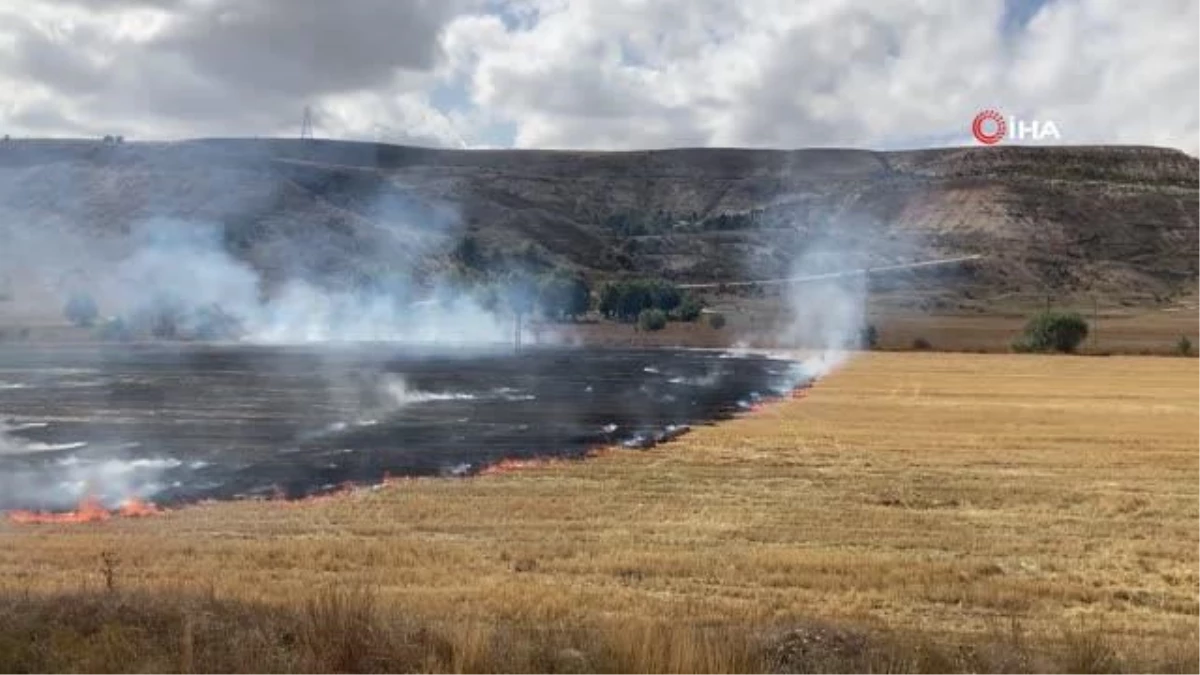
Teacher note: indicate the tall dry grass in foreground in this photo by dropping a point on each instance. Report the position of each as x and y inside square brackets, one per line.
[914, 512]
[346, 631]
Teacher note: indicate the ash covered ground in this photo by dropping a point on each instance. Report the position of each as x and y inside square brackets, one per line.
[181, 423]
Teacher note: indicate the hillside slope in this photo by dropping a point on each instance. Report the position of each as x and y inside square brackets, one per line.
[1119, 221]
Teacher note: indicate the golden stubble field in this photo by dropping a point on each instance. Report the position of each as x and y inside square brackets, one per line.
[945, 493]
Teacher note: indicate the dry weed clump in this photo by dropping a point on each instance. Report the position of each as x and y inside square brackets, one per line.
[349, 631]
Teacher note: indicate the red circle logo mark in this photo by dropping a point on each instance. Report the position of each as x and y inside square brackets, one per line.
[989, 127]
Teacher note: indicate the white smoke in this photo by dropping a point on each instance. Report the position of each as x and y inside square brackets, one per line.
[42, 476]
[181, 272]
[824, 317]
[304, 313]
[821, 319]
[400, 395]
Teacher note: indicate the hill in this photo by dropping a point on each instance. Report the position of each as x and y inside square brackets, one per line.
[1116, 221]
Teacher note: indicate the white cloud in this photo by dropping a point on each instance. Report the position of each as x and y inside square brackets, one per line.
[603, 74]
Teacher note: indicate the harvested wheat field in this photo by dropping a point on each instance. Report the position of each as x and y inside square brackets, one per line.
[946, 496]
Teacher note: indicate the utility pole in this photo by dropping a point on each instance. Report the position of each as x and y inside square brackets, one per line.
[306, 126]
[1095, 322]
[517, 332]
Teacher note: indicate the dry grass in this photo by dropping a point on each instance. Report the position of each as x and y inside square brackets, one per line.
[1115, 330]
[935, 497]
[1143, 332]
[345, 631]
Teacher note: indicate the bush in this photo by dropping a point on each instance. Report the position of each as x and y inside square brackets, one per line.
[1052, 331]
[652, 319]
[689, 309]
[921, 344]
[1184, 346]
[717, 321]
[81, 310]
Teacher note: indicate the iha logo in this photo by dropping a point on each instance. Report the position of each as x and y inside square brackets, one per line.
[990, 127]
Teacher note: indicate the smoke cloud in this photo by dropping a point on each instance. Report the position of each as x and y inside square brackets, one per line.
[214, 272]
[180, 282]
[823, 313]
[825, 316]
[73, 472]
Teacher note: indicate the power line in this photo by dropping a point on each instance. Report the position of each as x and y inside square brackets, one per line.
[836, 275]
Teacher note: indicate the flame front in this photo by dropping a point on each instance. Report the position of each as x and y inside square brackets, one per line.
[136, 508]
[90, 510]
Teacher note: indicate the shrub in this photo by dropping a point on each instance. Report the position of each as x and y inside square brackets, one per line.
[81, 310]
[652, 319]
[689, 309]
[1184, 346]
[1052, 331]
[717, 321]
[921, 344]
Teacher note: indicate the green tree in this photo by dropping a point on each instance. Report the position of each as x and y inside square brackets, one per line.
[689, 310]
[562, 295]
[625, 300]
[1052, 331]
[609, 298]
[664, 295]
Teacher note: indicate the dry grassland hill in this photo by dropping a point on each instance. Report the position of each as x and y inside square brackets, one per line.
[1120, 222]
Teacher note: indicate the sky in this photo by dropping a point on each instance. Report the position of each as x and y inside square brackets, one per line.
[604, 74]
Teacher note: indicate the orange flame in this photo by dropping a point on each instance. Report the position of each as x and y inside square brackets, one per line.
[136, 508]
[511, 465]
[90, 510]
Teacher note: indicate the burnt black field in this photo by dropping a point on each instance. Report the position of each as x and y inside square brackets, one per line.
[181, 423]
